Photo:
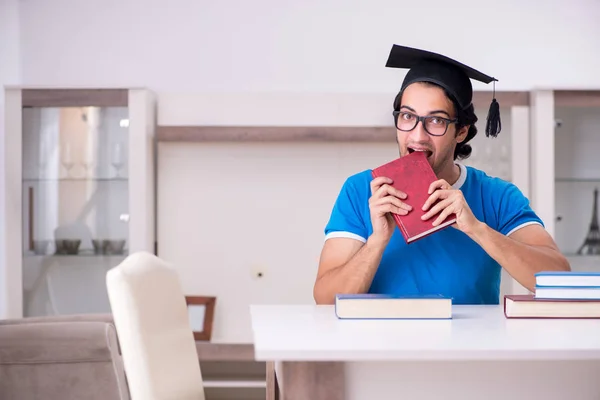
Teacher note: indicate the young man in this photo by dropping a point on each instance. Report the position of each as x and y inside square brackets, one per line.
[496, 228]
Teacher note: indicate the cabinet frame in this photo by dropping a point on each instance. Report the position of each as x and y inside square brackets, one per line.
[545, 102]
[141, 105]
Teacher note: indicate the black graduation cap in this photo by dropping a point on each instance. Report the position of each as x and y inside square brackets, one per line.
[425, 66]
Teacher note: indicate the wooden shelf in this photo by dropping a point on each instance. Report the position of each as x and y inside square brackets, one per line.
[229, 371]
[483, 98]
[208, 351]
[275, 134]
[577, 98]
[76, 97]
[210, 382]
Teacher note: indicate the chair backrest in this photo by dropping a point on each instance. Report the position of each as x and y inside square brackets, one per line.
[150, 315]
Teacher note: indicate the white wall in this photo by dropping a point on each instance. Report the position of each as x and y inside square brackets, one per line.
[274, 46]
[10, 73]
[227, 211]
[311, 45]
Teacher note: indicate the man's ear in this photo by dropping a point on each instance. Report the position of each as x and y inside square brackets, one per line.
[461, 135]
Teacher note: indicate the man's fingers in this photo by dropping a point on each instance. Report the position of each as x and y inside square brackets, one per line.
[444, 214]
[439, 184]
[398, 193]
[386, 189]
[391, 204]
[389, 208]
[378, 182]
[395, 201]
[438, 194]
[437, 208]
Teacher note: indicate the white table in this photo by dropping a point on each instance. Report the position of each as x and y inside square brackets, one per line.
[478, 354]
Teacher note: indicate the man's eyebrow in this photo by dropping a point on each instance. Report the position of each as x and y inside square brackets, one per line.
[430, 113]
[440, 112]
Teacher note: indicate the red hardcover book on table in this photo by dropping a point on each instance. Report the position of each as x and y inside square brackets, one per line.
[412, 175]
[528, 306]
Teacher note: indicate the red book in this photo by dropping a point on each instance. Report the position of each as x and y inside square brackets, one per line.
[528, 306]
[412, 175]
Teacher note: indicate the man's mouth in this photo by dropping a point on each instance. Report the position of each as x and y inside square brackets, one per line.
[428, 153]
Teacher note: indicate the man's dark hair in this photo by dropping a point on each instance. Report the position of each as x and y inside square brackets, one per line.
[465, 117]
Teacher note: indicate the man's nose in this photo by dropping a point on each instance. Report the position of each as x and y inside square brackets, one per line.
[419, 134]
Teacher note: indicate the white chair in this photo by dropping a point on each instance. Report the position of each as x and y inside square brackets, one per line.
[152, 323]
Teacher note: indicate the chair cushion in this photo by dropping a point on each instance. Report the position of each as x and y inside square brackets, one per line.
[60, 360]
[58, 318]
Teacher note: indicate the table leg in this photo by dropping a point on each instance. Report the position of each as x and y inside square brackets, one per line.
[272, 383]
[312, 380]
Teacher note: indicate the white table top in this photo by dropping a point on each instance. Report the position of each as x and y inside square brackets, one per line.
[313, 333]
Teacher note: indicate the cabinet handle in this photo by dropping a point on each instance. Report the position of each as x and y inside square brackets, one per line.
[124, 217]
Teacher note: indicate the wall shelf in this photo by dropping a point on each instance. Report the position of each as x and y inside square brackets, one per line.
[212, 382]
[275, 134]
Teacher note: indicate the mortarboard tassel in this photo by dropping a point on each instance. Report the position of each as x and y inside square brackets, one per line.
[494, 124]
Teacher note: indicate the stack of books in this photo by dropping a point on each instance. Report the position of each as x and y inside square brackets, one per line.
[559, 294]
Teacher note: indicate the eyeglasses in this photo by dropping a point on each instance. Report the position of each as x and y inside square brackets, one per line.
[434, 125]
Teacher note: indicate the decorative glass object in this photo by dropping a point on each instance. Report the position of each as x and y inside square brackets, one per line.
[591, 245]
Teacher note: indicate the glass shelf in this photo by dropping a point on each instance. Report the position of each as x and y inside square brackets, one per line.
[31, 180]
[578, 180]
[82, 253]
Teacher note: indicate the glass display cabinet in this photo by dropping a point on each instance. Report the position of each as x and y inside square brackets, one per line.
[79, 168]
[566, 171]
[577, 176]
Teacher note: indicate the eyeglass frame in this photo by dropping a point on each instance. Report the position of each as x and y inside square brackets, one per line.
[422, 119]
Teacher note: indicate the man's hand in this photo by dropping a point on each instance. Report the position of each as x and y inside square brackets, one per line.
[450, 201]
[384, 201]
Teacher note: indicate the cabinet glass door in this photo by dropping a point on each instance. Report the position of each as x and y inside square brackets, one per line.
[577, 180]
[75, 206]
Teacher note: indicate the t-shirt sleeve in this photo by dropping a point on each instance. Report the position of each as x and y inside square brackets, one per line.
[514, 211]
[346, 218]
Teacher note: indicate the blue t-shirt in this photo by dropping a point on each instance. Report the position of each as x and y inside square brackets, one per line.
[447, 262]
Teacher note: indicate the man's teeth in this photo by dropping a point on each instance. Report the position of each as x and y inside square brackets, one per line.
[427, 152]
